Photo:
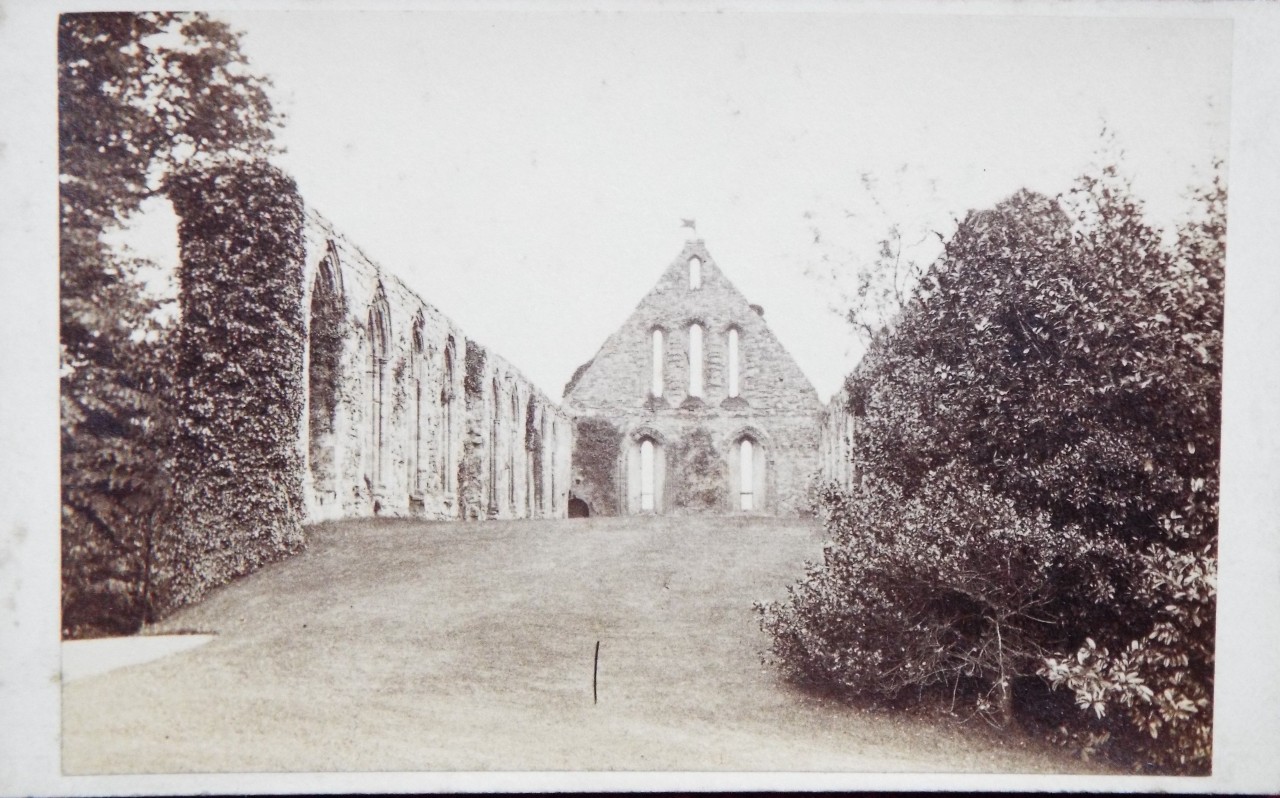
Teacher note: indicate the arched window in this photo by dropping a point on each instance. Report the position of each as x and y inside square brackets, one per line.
[418, 370]
[695, 359]
[746, 475]
[446, 401]
[325, 350]
[493, 448]
[379, 340]
[513, 450]
[646, 476]
[658, 355]
[733, 361]
[695, 273]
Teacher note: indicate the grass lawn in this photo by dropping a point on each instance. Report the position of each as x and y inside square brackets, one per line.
[398, 645]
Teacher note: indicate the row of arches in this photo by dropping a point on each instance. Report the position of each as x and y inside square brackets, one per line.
[390, 421]
[696, 361]
[519, 457]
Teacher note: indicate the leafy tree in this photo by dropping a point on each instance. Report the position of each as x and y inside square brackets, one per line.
[140, 97]
[1038, 458]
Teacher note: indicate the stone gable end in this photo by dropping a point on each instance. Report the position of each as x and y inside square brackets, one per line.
[619, 377]
[669, 451]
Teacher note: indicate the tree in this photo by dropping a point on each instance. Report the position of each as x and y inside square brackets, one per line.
[1038, 450]
[140, 97]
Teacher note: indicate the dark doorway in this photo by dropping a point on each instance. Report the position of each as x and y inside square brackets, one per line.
[579, 509]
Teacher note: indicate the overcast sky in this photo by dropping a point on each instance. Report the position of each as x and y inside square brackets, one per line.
[527, 173]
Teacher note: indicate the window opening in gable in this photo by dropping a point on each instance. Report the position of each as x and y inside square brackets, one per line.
[695, 360]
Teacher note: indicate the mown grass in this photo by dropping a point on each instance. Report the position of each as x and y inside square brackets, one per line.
[397, 645]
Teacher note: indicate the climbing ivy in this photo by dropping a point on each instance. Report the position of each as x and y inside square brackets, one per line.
[533, 443]
[597, 445]
[700, 474]
[473, 381]
[239, 376]
[328, 311]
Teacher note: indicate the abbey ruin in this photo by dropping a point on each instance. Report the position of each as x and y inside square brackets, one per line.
[691, 406]
[406, 415]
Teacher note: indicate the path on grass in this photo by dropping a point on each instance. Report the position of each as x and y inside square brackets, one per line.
[396, 645]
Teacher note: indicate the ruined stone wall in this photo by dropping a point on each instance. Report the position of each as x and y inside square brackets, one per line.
[775, 407]
[839, 432]
[393, 424]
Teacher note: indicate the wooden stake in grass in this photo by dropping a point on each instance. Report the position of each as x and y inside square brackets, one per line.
[595, 670]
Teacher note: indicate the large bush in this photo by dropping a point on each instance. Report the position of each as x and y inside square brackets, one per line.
[1038, 459]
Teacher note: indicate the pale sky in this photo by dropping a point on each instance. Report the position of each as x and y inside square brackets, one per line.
[526, 173]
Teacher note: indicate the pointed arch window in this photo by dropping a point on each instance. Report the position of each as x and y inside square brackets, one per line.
[325, 344]
[446, 403]
[379, 341]
[734, 363]
[646, 476]
[657, 356]
[746, 475]
[695, 359]
[695, 273]
[418, 371]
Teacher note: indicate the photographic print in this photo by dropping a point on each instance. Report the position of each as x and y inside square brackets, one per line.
[657, 389]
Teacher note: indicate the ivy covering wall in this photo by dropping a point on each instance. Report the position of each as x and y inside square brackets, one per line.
[699, 474]
[328, 310]
[239, 376]
[597, 444]
[533, 443]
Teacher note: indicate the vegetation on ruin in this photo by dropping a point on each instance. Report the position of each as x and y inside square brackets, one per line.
[1034, 535]
[699, 474]
[239, 376]
[597, 446]
[328, 313]
[577, 376]
[473, 379]
[140, 97]
[533, 444]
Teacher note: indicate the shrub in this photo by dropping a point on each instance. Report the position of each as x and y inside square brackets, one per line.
[947, 585]
[1038, 462]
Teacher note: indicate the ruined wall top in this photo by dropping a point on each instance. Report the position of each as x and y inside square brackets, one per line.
[361, 281]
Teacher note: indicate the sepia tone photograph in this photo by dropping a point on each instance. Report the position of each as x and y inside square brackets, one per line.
[680, 389]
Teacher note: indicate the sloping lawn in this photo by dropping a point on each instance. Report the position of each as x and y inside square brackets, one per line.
[396, 645]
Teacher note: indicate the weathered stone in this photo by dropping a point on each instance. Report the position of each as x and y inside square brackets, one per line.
[391, 429]
[774, 406]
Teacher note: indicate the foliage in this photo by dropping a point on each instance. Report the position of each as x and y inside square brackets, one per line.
[700, 473]
[470, 479]
[1044, 412]
[138, 95]
[869, 258]
[533, 444]
[577, 376]
[597, 445]
[473, 380]
[954, 585]
[239, 375]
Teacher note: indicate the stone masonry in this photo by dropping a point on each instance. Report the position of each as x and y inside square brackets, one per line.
[400, 421]
[681, 452]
